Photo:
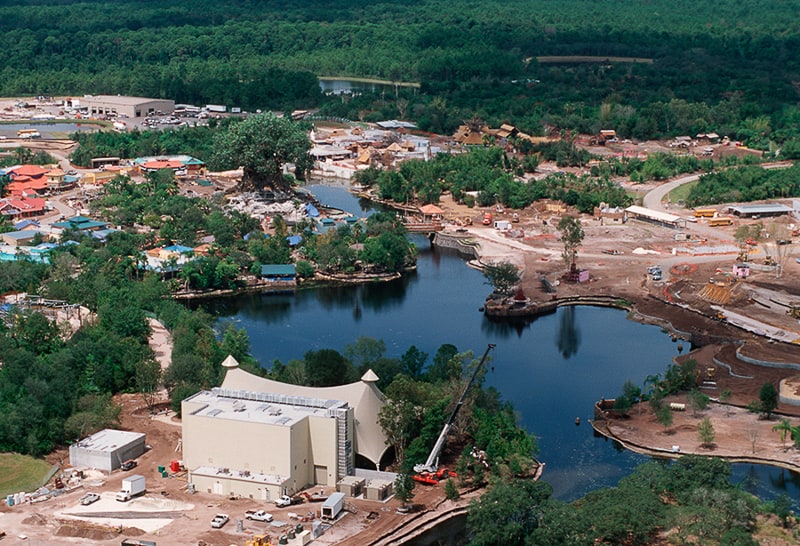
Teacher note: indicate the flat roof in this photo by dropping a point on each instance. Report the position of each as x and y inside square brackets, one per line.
[764, 208]
[260, 407]
[241, 475]
[120, 99]
[109, 440]
[655, 214]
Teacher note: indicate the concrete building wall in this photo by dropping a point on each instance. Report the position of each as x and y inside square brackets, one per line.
[133, 107]
[239, 445]
[106, 459]
[231, 486]
[294, 452]
[323, 450]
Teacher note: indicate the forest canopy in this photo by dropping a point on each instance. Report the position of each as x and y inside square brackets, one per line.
[727, 67]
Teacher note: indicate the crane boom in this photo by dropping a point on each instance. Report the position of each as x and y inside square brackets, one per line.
[432, 464]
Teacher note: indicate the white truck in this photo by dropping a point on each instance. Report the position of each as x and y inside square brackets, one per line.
[258, 515]
[285, 500]
[132, 486]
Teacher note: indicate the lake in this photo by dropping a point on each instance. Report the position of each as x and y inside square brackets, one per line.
[552, 370]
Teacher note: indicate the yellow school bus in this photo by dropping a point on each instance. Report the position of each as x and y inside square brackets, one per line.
[704, 213]
[721, 221]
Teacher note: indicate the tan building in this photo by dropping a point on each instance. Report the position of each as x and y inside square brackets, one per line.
[258, 438]
[132, 107]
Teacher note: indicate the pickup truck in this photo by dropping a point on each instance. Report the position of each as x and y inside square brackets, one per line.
[258, 515]
[285, 500]
[219, 520]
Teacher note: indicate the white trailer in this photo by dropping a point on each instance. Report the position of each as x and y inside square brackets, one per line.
[219, 108]
[132, 486]
[333, 506]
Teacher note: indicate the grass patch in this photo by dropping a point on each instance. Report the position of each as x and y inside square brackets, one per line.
[681, 192]
[21, 473]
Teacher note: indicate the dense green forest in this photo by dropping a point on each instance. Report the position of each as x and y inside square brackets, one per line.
[729, 66]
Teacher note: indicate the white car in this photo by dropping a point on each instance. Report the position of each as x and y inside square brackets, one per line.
[89, 498]
[219, 520]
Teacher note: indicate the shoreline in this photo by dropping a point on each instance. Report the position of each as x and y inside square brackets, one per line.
[709, 337]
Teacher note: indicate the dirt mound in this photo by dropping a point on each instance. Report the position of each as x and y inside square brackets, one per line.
[35, 519]
[86, 530]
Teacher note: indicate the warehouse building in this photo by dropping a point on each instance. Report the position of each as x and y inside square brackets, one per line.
[257, 438]
[132, 107]
[107, 450]
[760, 210]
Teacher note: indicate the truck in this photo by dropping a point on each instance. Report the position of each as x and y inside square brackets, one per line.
[285, 500]
[258, 515]
[332, 507]
[132, 486]
[218, 108]
[487, 219]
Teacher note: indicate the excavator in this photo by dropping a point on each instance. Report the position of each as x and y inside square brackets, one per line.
[429, 473]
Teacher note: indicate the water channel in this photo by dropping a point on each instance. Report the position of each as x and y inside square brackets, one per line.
[552, 370]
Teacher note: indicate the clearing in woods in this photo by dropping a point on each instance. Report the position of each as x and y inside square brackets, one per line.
[21, 473]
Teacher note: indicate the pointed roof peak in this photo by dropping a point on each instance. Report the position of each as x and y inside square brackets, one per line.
[230, 362]
[369, 377]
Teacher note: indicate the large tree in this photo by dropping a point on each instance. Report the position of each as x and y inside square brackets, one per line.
[502, 276]
[572, 236]
[262, 144]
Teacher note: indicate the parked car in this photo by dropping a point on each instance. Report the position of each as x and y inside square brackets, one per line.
[128, 465]
[89, 498]
[219, 521]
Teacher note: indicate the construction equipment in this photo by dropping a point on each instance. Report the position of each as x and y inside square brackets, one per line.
[429, 473]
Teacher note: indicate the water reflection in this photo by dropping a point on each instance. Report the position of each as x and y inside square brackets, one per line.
[569, 336]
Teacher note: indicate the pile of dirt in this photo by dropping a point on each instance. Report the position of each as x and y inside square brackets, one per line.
[35, 519]
[77, 529]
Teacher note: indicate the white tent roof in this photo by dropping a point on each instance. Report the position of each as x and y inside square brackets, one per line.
[364, 396]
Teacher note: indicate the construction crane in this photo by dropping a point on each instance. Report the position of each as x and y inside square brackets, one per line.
[429, 472]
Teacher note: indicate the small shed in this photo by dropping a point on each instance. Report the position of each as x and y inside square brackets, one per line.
[107, 450]
[379, 490]
[352, 486]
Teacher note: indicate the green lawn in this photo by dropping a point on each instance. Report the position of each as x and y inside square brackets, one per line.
[681, 192]
[21, 473]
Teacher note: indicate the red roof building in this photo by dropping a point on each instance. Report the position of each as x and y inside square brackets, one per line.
[26, 187]
[31, 171]
[22, 207]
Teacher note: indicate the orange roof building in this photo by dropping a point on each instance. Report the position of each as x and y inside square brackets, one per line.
[31, 171]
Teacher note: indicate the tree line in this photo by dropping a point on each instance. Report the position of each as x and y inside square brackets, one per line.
[728, 69]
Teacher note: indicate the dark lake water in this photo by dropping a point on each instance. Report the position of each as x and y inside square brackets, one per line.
[552, 370]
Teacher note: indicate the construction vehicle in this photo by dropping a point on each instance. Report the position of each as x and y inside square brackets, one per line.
[259, 540]
[429, 473]
[132, 486]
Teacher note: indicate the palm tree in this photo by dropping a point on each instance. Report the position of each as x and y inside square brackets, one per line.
[785, 427]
